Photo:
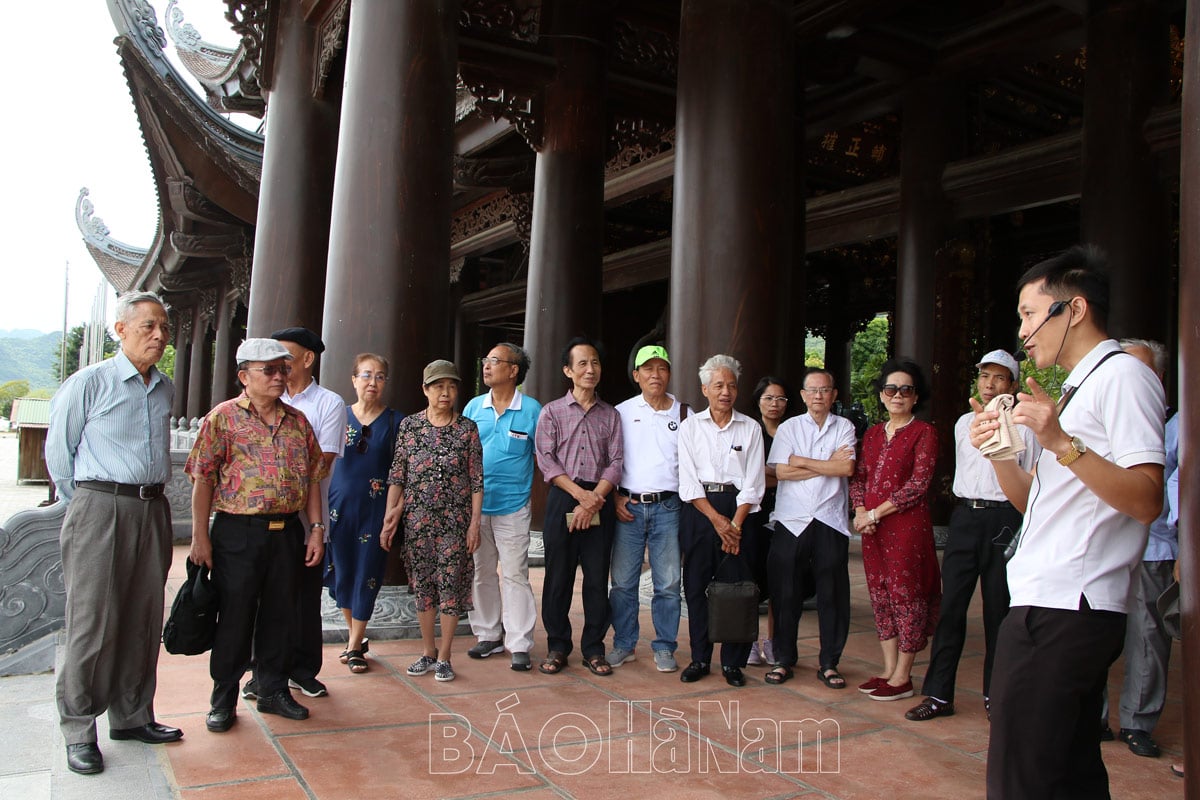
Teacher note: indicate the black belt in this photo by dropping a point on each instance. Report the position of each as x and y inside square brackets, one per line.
[720, 488]
[142, 491]
[272, 522]
[645, 497]
[986, 503]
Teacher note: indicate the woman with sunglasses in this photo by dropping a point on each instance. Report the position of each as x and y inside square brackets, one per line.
[354, 562]
[891, 512]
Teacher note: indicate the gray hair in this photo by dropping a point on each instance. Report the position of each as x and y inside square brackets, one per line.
[719, 362]
[127, 301]
[521, 356]
[1157, 351]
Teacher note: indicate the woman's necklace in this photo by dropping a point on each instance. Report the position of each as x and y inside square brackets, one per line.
[891, 430]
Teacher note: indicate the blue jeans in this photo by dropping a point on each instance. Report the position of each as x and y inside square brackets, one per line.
[655, 528]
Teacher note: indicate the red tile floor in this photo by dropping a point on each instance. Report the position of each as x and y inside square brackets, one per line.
[496, 732]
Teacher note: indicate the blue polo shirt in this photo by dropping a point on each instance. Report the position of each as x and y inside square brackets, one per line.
[507, 450]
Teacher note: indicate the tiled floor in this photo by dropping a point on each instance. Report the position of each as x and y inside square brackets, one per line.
[495, 732]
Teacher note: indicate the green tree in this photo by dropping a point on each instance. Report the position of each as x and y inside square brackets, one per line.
[166, 364]
[11, 391]
[867, 354]
[68, 365]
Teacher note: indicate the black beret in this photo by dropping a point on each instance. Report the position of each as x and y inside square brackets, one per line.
[301, 336]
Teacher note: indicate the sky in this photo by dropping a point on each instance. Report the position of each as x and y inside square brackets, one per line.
[75, 127]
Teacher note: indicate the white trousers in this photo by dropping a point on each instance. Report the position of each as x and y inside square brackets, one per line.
[504, 596]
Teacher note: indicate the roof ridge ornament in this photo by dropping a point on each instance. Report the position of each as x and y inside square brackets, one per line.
[97, 234]
[145, 22]
[184, 34]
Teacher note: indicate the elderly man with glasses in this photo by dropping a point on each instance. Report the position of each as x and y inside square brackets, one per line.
[257, 464]
[507, 422]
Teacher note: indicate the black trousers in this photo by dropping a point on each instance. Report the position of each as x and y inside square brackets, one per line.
[310, 639]
[256, 573]
[590, 549]
[822, 554]
[700, 547]
[1051, 666]
[974, 551]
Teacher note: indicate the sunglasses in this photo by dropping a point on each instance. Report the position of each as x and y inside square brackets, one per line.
[361, 447]
[271, 370]
[907, 390]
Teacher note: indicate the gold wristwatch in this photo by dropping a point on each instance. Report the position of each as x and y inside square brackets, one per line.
[1078, 448]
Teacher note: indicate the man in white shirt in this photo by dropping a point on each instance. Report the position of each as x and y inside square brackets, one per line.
[326, 412]
[981, 526]
[1097, 486]
[648, 507]
[813, 456]
[722, 478]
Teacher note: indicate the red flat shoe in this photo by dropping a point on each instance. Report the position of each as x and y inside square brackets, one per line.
[888, 692]
[872, 685]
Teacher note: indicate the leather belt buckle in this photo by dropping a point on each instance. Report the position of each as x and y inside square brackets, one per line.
[148, 491]
[276, 525]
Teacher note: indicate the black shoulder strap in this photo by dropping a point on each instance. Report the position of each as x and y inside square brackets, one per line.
[1062, 403]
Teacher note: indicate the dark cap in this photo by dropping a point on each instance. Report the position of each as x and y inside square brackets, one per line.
[301, 336]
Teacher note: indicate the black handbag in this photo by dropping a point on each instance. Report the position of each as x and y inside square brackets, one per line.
[732, 609]
[192, 626]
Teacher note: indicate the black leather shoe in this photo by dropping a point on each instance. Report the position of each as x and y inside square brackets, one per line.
[85, 758]
[694, 672]
[1140, 743]
[220, 720]
[1106, 734]
[150, 733]
[734, 676]
[283, 704]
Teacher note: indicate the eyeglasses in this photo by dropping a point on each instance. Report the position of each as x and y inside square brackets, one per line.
[368, 377]
[270, 370]
[907, 390]
[821, 390]
[493, 361]
[361, 447]
[772, 399]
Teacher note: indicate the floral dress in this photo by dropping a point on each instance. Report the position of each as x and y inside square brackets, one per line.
[354, 561]
[903, 577]
[439, 468]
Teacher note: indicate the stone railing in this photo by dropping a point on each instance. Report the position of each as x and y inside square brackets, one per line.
[183, 433]
[32, 594]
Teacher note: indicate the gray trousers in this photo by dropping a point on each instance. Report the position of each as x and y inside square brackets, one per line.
[1147, 650]
[115, 553]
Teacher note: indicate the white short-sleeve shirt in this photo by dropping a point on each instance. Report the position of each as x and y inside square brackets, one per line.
[824, 497]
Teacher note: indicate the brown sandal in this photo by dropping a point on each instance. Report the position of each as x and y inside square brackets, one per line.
[554, 663]
[598, 665]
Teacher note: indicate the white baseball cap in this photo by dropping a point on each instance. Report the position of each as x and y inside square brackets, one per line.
[1004, 359]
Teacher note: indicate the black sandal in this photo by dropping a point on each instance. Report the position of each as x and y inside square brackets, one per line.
[356, 662]
[344, 656]
[554, 663]
[834, 681]
[778, 675]
[598, 665]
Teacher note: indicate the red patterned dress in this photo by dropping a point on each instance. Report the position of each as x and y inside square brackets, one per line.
[903, 577]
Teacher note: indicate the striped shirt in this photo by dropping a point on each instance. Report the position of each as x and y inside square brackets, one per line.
[107, 424]
[583, 445]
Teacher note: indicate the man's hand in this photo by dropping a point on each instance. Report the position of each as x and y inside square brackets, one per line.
[731, 537]
[590, 502]
[201, 552]
[316, 548]
[1038, 411]
[623, 513]
[843, 453]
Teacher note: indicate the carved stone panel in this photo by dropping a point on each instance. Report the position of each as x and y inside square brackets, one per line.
[331, 40]
[33, 595]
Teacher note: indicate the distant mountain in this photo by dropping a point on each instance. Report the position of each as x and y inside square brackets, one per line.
[21, 333]
[31, 358]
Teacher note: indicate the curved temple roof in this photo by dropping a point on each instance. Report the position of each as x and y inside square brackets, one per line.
[229, 76]
[119, 262]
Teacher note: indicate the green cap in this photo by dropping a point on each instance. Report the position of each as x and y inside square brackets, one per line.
[648, 352]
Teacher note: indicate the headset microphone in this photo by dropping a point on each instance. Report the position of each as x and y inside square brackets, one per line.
[1056, 308]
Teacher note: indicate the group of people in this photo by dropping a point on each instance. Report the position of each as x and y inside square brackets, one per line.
[308, 492]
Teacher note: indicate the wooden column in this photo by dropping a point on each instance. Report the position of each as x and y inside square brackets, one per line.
[932, 134]
[1123, 209]
[292, 236]
[223, 367]
[389, 244]
[732, 232]
[566, 245]
[200, 367]
[1189, 393]
[183, 355]
[838, 339]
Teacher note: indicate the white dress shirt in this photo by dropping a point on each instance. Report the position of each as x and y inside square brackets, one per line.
[326, 413]
[733, 454]
[974, 478]
[823, 497]
[651, 446]
[1073, 543]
